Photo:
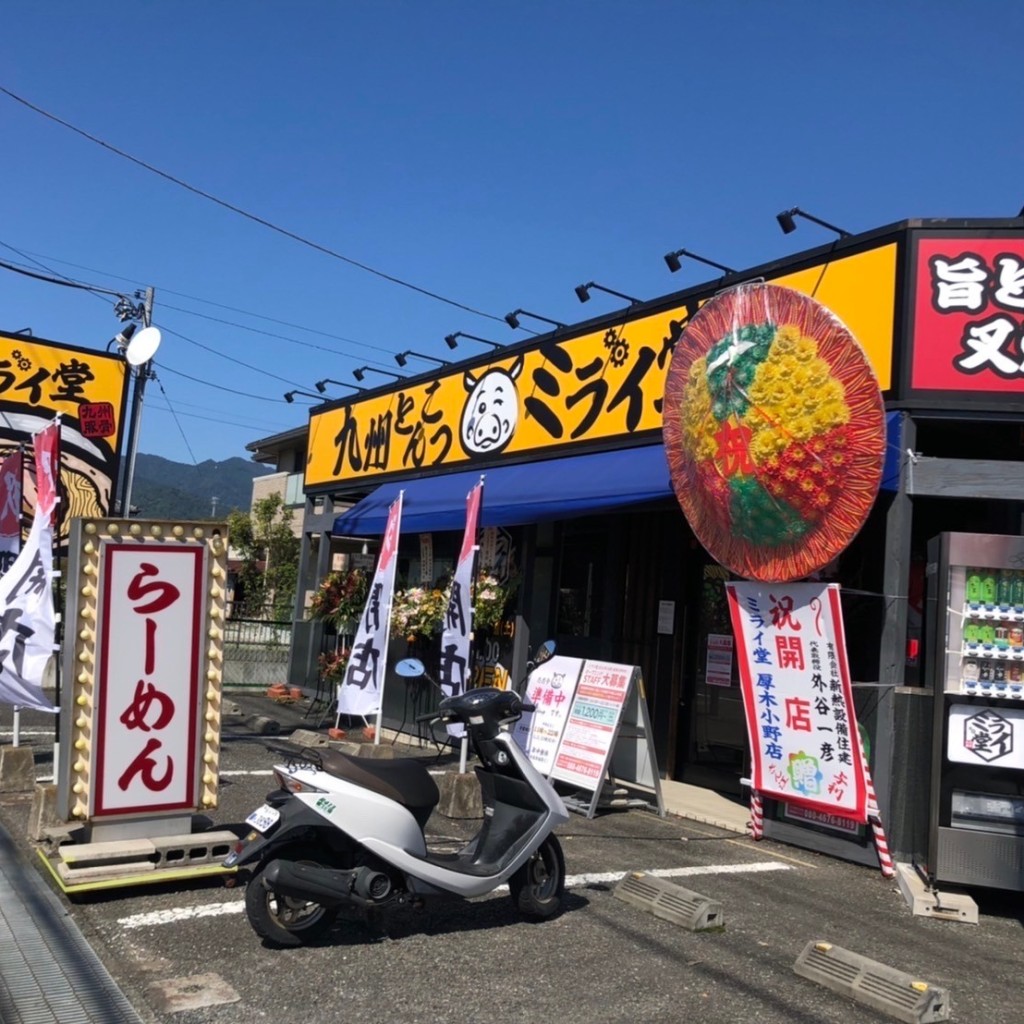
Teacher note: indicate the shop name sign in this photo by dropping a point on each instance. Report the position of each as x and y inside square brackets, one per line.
[89, 389]
[804, 742]
[568, 389]
[967, 336]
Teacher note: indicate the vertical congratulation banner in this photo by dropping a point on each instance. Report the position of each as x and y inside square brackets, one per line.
[804, 743]
[458, 625]
[361, 691]
[10, 510]
[26, 594]
[150, 652]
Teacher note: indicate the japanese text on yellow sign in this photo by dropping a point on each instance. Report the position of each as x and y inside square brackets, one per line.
[590, 388]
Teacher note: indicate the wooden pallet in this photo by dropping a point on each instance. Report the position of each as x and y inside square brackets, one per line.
[78, 867]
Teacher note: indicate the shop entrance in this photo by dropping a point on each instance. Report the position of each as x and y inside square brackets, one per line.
[712, 749]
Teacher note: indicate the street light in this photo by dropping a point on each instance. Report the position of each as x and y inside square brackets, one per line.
[402, 357]
[289, 396]
[583, 293]
[321, 385]
[360, 372]
[672, 261]
[788, 225]
[512, 319]
[452, 342]
[138, 349]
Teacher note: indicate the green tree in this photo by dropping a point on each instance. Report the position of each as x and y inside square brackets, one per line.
[270, 558]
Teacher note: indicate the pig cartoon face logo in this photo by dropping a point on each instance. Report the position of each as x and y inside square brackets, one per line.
[492, 410]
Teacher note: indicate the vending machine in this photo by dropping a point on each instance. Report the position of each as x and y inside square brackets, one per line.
[975, 625]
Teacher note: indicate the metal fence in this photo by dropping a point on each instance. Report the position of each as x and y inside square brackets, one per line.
[256, 652]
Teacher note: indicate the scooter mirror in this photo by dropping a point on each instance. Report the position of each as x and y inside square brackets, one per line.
[545, 651]
[411, 668]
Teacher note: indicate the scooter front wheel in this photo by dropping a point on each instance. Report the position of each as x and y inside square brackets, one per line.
[538, 886]
[284, 920]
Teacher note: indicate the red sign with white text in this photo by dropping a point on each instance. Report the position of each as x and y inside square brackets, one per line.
[148, 680]
[968, 316]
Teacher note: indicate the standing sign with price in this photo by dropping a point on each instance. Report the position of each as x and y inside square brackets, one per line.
[607, 737]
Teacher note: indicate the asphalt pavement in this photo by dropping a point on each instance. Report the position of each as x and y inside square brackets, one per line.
[185, 954]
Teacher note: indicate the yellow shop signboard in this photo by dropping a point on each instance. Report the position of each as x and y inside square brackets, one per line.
[565, 390]
[39, 379]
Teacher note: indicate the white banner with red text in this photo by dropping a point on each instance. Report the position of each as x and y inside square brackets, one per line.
[791, 651]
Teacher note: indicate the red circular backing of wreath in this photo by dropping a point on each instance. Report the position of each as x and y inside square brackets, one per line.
[835, 497]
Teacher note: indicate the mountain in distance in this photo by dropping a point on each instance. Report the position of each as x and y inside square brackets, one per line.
[163, 489]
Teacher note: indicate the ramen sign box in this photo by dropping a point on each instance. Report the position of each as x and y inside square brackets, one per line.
[142, 670]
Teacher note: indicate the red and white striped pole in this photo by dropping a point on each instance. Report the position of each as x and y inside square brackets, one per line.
[756, 816]
[875, 818]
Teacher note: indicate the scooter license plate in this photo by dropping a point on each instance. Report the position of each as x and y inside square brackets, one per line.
[264, 818]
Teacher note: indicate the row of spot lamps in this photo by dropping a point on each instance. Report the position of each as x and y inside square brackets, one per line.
[673, 260]
[84, 705]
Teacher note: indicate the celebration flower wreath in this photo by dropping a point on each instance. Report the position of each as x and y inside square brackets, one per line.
[774, 431]
[418, 612]
[341, 597]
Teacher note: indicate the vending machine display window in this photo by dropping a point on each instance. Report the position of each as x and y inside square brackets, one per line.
[985, 655]
[975, 590]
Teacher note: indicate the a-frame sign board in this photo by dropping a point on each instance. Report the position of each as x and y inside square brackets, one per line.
[606, 748]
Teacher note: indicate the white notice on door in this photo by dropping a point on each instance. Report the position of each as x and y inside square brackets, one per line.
[718, 670]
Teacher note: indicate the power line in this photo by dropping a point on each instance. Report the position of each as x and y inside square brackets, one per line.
[65, 282]
[219, 387]
[62, 279]
[245, 213]
[210, 419]
[220, 305]
[71, 283]
[230, 359]
[177, 423]
[270, 334]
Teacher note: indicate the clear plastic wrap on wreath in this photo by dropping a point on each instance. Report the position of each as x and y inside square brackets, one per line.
[774, 430]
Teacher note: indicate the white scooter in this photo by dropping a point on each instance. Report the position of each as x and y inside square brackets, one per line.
[349, 831]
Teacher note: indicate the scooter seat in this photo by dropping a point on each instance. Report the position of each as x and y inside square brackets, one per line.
[401, 779]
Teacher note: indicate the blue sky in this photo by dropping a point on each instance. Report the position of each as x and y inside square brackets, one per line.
[496, 154]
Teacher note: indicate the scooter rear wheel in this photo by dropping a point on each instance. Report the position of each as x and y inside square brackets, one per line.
[284, 920]
[538, 886]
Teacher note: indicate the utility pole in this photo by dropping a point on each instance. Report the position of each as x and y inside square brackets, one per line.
[142, 374]
[213, 508]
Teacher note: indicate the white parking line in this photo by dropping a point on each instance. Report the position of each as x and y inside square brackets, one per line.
[177, 914]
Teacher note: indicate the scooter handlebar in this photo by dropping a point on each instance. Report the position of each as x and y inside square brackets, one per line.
[428, 717]
[529, 707]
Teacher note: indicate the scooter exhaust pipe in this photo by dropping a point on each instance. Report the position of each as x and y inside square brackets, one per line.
[330, 887]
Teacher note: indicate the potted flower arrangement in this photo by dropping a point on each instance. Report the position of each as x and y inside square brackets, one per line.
[490, 598]
[340, 598]
[418, 612]
[333, 663]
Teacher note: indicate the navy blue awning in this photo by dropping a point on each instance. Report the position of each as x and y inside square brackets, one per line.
[526, 492]
[529, 492]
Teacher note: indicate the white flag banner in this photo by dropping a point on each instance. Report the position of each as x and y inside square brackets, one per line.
[456, 635]
[361, 690]
[26, 594]
[805, 747]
